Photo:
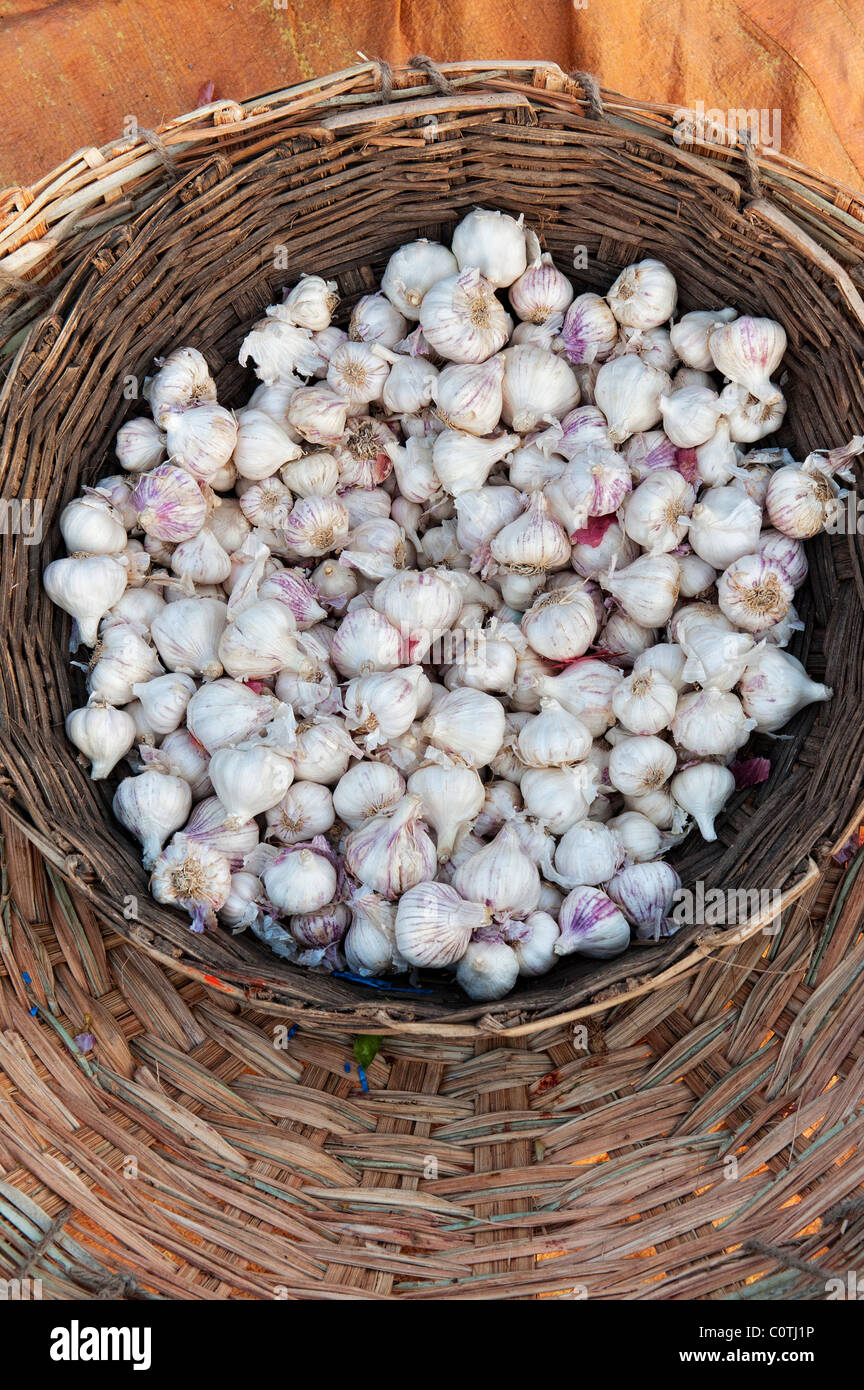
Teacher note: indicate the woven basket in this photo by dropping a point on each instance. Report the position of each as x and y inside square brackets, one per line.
[170, 238]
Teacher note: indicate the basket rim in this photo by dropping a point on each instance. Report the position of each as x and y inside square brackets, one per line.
[357, 85]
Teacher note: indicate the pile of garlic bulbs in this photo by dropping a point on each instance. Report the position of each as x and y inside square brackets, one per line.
[425, 656]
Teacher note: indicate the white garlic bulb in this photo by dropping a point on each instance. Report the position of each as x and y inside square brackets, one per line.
[86, 589]
[690, 336]
[300, 880]
[492, 242]
[747, 351]
[91, 525]
[724, 525]
[690, 415]
[645, 702]
[774, 687]
[452, 795]
[152, 806]
[714, 658]
[225, 712]
[559, 796]
[553, 738]
[183, 380]
[164, 700]
[561, 624]
[500, 875]
[489, 968]
[468, 725]
[590, 924]
[375, 320]
[541, 291]
[711, 723]
[537, 386]
[414, 269]
[139, 445]
[647, 589]
[392, 851]
[192, 876]
[754, 593]
[588, 853]
[305, 810]
[641, 763]
[628, 391]
[656, 514]
[370, 944]
[590, 330]
[249, 780]
[462, 319]
[800, 504]
[434, 924]
[702, 790]
[644, 295]
[312, 302]
[103, 734]
[639, 837]
[533, 940]
[645, 894]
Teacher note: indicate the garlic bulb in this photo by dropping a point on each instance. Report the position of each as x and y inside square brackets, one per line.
[300, 880]
[194, 877]
[628, 391]
[414, 269]
[211, 825]
[501, 802]
[493, 243]
[139, 445]
[358, 371]
[434, 924]
[800, 504]
[644, 702]
[381, 705]
[641, 763]
[724, 525]
[537, 386]
[690, 415]
[747, 351]
[645, 894]
[90, 525]
[103, 734]
[305, 810]
[541, 290]
[322, 926]
[590, 924]
[164, 700]
[261, 640]
[187, 634]
[775, 687]
[657, 511]
[647, 589]
[702, 790]
[315, 474]
[696, 576]
[711, 723]
[754, 593]
[534, 541]
[365, 790]
[462, 319]
[370, 944]
[533, 940]
[647, 450]
[123, 657]
[690, 336]
[785, 552]
[375, 320]
[183, 380]
[249, 780]
[323, 751]
[500, 875]
[468, 395]
[589, 331]
[489, 968]
[86, 589]
[392, 851]
[312, 302]
[461, 461]
[318, 414]
[644, 295]
[553, 738]
[152, 806]
[240, 908]
[420, 606]
[561, 624]
[714, 658]
[588, 853]
[559, 796]
[366, 641]
[169, 503]
[201, 559]
[748, 418]
[226, 711]
[202, 439]
[410, 385]
[468, 725]
[451, 795]
[586, 690]
[667, 659]
[638, 837]
[181, 755]
[483, 512]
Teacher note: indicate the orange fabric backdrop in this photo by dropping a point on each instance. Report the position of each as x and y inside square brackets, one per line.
[74, 69]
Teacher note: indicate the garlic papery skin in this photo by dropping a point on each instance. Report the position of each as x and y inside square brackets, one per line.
[462, 461]
[541, 290]
[644, 295]
[501, 801]
[201, 559]
[183, 380]
[748, 418]
[305, 810]
[647, 589]
[754, 593]
[590, 560]
[181, 755]
[468, 725]
[696, 576]
[489, 968]
[775, 687]
[381, 705]
[375, 320]
[164, 700]
[103, 734]
[192, 876]
[202, 439]
[291, 587]
[414, 269]
[786, 553]
[378, 549]
[263, 445]
[591, 925]
[537, 386]
[628, 391]
[261, 641]
[318, 414]
[702, 790]
[553, 738]
[462, 319]
[690, 336]
[481, 513]
[641, 763]
[358, 371]
[535, 541]
[226, 712]
[645, 894]
[86, 589]
[644, 702]
[370, 944]
[169, 503]
[434, 924]
[586, 690]
[501, 876]
[249, 781]
[711, 723]
[656, 512]
[800, 504]
[717, 458]
[392, 852]
[494, 243]
[139, 445]
[714, 658]
[240, 908]
[152, 806]
[300, 880]
[312, 302]
[747, 351]
[588, 853]
[639, 837]
[324, 750]
[420, 606]
[315, 474]
[211, 825]
[724, 525]
[559, 796]
[410, 386]
[590, 330]
[366, 641]
[187, 635]
[90, 525]
[469, 395]
[366, 790]
[452, 796]
[229, 525]
[690, 415]
[561, 624]
[122, 658]
[533, 941]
